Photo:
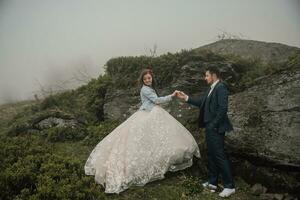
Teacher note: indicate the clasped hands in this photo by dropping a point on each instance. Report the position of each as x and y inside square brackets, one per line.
[179, 94]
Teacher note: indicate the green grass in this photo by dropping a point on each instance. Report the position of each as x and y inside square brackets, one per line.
[49, 165]
[9, 111]
[174, 187]
[31, 167]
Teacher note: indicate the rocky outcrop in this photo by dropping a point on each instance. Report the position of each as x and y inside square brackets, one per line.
[266, 119]
[267, 52]
[266, 125]
[43, 120]
[120, 104]
[55, 122]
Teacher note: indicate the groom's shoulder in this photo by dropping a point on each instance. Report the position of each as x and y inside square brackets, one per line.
[222, 85]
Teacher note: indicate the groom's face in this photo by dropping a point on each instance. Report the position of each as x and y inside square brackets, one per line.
[209, 78]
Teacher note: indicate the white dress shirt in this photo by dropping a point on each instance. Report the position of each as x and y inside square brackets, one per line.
[212, 87]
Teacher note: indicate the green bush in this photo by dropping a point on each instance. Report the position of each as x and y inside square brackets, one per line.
[49, 102]
[97, 132]
[124, 71]
[61, 134]
[192, 185]
[31, 168]
[95, 92]
[85, 103]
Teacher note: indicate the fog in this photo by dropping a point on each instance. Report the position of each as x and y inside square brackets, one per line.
[60, 44]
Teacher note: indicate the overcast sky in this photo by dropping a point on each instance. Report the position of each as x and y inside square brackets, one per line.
[46, 42]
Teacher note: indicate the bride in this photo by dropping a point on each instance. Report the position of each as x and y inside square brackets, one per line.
[144, 147]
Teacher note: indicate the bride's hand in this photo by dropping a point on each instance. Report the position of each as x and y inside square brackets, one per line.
[174, 93]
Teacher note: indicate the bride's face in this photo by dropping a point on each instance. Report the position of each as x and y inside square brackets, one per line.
[147, 79]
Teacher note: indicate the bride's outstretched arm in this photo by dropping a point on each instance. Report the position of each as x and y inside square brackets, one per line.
[152, 96]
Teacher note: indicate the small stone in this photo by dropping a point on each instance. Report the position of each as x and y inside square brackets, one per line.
[278, 196]
[271, 196]
[258, 189]
[288, 197]
[266, 196]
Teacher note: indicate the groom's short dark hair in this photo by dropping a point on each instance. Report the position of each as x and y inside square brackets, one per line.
[213, 70]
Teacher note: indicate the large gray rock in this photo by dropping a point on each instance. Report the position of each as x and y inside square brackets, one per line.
[266, 120]
[120, 104]
[56, 122]
[267, 52]
[266, 131]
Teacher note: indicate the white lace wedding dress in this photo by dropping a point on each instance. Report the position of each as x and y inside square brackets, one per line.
[140, 150]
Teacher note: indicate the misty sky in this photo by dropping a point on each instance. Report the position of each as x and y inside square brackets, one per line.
[44, 43]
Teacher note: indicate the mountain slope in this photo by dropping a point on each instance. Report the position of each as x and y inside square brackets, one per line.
[44, 145]
[269, 53]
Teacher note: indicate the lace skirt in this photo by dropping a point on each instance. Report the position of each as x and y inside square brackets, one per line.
[142, 149]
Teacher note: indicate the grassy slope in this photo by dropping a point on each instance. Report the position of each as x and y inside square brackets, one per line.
[31, 167]
[175, 186]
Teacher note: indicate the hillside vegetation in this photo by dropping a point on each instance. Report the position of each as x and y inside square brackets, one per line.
[44, 144]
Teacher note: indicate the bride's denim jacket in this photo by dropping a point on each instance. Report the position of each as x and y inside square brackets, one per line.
[149, 98]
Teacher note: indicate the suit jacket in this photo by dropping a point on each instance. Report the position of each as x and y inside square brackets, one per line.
[213, 109]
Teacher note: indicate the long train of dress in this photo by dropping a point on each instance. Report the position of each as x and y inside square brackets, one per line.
[142, 149]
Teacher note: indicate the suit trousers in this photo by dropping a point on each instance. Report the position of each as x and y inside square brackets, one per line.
[218, 162]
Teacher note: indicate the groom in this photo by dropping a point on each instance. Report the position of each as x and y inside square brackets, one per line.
[213, 117]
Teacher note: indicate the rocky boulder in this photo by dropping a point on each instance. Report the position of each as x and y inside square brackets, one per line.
[267, 52]
[55, 122]
[43, 121]
[266, 126]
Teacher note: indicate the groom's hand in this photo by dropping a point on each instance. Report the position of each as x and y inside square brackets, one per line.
[182, 95]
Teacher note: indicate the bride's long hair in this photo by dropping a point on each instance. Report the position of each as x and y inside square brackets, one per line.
[141, 77]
